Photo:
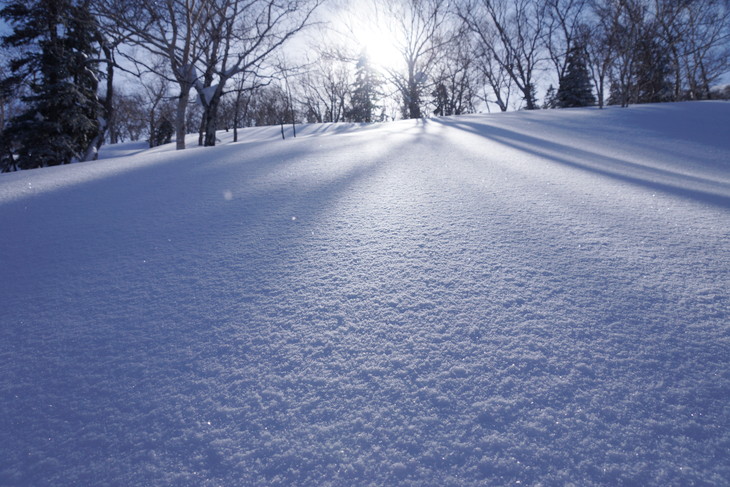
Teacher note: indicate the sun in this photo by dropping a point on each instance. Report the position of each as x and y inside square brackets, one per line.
[377, 40]
[381, 48]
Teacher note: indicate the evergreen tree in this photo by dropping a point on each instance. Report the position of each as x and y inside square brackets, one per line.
[551, 99]
[58, 61]
[615, 93]
[652, 71]
[576, 88]
[163, 133]
[441, 100]
[365, 91]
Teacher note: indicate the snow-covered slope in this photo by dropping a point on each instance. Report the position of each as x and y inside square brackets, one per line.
[535, 298]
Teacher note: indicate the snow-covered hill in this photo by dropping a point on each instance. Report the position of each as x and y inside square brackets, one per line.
[525, 298]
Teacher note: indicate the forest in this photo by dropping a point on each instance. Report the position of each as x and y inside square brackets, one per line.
[75, 74]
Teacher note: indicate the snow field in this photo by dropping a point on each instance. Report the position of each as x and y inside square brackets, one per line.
[525, 298]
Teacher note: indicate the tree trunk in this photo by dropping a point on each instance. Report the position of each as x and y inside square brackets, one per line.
[210, 116]
[599, 92]
[236, 108]
[152, 128]
[109, 115]
[182, 106]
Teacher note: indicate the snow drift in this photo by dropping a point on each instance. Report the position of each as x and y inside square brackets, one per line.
[536, 298]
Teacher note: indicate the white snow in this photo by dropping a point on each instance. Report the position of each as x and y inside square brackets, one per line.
[524, 298]
[206, 94]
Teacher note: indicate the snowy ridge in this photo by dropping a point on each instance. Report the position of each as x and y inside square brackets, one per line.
[534, 298]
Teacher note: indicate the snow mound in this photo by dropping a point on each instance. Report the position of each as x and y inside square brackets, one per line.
[523, 298]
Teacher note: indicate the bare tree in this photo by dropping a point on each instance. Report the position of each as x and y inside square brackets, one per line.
[696, 35]
[170, 29]
[497, 84]
[600, 51]
[420, 26]
[324, 86]
[565, 25]
[512, 34]
[672, 31]
[244, 34]
[267, 106]
[207, 42]
[456, 79]
[155, 93]
[244, 91]
[129, 122]
[706, 48]
[623, 22]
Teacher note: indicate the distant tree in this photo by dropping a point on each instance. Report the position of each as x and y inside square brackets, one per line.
[599, 47]
[551, 99]
[193, 116]
[652, 70]
[423, 32]
[627, 23]
[244, 91]
[497, 84]
[325, 86]
[129, 122]
[575, 89]
[167, 29]
[10, 104]
[225, 111]
[365, 92]
[615, 94]
[267, 106]
[58, 59]
[694, 36]
[242, 35]
[564, 25]
[721, 92]
[163, 132]
[512, 34]
[455, 78]
[441, 100]
[159, 113]
[706, 45]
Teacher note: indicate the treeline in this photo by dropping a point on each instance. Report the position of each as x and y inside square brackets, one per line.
[206, 65]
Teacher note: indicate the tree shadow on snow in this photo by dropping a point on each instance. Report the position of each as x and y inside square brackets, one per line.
[695, 188]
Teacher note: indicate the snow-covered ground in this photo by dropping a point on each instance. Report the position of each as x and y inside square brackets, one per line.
[524, 298]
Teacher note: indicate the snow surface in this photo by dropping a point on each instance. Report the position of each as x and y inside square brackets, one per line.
[524, 298]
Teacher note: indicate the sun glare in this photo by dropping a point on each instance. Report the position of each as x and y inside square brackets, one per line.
[380, 44]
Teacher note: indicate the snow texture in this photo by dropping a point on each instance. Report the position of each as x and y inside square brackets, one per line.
[524, 298]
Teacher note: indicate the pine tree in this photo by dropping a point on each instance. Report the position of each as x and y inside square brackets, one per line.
[365, 91]
[576, 88]
[58, 62]
[652, 72]
[551, 98]
[441, 100]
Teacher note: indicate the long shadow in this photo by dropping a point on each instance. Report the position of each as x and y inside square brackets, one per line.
[175, 364]
[602, 164]
[210, 267]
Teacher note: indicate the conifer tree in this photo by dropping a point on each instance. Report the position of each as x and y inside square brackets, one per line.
[652, 71]
[441, 100]
[365, 91]
[551, 98]
[58, 61]
[575, 89]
